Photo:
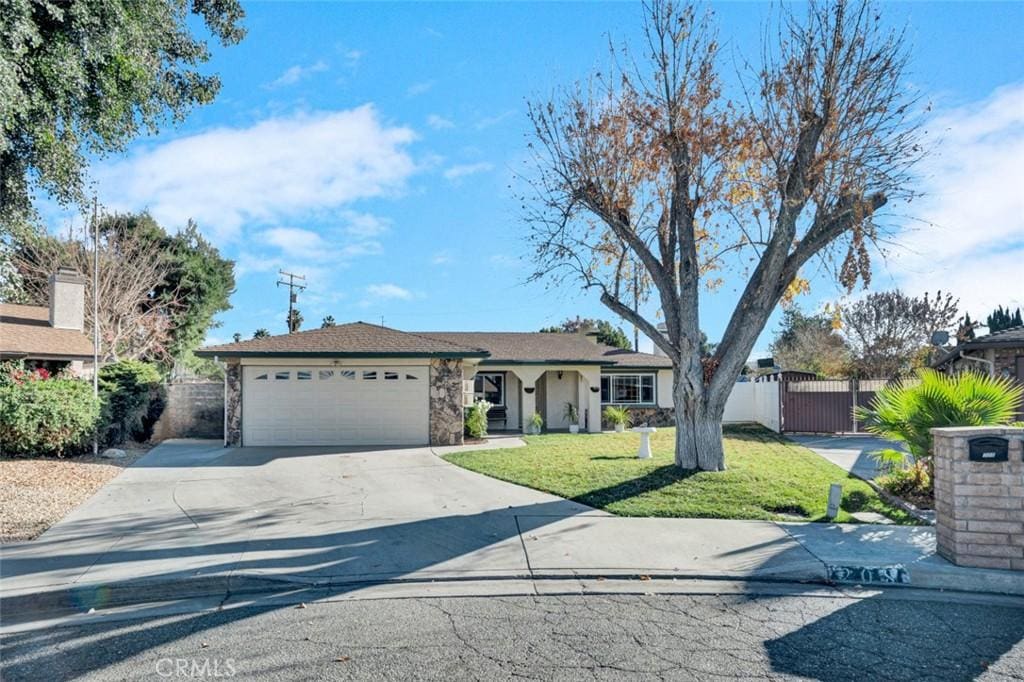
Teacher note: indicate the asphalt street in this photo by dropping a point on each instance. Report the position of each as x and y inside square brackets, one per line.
[705, 636]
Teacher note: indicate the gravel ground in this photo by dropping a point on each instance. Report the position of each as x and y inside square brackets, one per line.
[37, 493]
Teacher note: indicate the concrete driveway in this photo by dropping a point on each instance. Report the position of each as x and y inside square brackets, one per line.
[193, 510]
[849, 452]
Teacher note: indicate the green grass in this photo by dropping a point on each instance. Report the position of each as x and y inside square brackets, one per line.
[767, 477]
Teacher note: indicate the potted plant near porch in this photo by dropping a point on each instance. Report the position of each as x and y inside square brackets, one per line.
[572, 415]
[618, 417]
[536, 424]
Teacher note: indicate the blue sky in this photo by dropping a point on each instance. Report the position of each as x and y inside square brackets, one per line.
[372, 148]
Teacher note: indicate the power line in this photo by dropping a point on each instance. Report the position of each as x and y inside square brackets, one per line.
[292, 296]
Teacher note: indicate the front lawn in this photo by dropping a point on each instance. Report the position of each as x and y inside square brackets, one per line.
[767, 477]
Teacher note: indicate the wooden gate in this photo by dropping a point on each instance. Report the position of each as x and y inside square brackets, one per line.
[825, 405]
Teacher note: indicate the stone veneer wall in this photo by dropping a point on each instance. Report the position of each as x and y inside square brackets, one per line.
[194, 409]
[651, 416]
[233, 432]
[446, 415]
[979, 505]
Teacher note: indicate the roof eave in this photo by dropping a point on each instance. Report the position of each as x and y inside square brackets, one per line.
[449, 355]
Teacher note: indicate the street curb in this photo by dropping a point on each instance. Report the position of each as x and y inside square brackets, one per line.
[86, 599]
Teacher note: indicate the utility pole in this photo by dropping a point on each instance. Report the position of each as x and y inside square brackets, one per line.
[636, 307]
[95, 312]
[292, 296]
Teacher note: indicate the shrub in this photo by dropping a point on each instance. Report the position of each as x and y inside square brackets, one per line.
[476, 419]
[536, 423]
[133, 398]
[42, 416]
[906, 412]
[571, 413]
[616, 415]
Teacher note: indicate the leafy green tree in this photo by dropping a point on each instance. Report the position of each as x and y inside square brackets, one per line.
[236, 337]
[82, 79]
[260, 333]
[328, 322]
[294, 320]
[1000, 319]
[606, 332]
[810, 343]
[132, 395]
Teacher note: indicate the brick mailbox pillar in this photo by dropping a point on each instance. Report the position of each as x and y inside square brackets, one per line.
[979, 496]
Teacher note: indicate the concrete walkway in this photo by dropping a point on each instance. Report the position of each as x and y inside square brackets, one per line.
[192, 519]
[851, 453]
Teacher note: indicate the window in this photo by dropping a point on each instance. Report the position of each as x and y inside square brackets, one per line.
[369, 376]
[282, 376]
[411, 377]
[627, 389]
[490, 387]
[347, 374]
[304, 375]
[326, 374]
[390, 376]
[261, 377]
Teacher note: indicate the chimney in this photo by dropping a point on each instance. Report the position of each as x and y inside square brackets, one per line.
[67, 299]
[663, 328]
[588, 332]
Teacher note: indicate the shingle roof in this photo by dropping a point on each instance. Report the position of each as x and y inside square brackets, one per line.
[356, 339]
[25, 331]
[1007, 338]
[549, 347]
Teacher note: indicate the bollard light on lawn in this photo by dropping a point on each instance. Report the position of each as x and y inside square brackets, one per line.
[835, 497]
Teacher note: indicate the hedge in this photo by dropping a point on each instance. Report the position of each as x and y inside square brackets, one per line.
[44, 416]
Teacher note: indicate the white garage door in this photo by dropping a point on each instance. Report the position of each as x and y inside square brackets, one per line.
[335, 406]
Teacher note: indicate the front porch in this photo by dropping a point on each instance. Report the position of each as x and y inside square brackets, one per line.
[519, 391]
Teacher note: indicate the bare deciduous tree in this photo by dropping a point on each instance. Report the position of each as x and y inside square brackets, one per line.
[133, 323]
[650, 165]
[889, 332]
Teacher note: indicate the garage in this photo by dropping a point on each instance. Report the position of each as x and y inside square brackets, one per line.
[337, 405]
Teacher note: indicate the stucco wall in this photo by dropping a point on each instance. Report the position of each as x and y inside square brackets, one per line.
[557, 393]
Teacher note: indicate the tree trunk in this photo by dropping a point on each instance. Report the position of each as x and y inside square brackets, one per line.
[698, 427]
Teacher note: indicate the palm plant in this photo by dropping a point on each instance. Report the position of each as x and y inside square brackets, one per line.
[907, 411]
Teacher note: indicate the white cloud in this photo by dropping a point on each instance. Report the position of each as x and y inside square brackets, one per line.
[460, 171]
[392, 291]
[278, 170]
[294, 74]
[442, 258]
[417, 89]
[365, 225]
[970, 240]
[489, 121]
[439, 122]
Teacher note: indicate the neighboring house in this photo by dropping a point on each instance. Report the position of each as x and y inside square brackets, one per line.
[49, 336]
[1000, 354]
[364, 384]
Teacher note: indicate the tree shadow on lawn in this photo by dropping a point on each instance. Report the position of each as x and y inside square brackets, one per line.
[652, 481]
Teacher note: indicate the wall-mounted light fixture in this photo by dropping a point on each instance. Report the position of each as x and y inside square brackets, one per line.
[559, 375]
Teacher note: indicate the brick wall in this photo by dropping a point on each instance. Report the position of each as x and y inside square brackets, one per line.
[979, 505]
[193, 410]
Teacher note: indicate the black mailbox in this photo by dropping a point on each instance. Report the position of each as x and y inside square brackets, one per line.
[989, 449]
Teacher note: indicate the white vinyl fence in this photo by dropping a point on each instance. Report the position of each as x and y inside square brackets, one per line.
[754, 402]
